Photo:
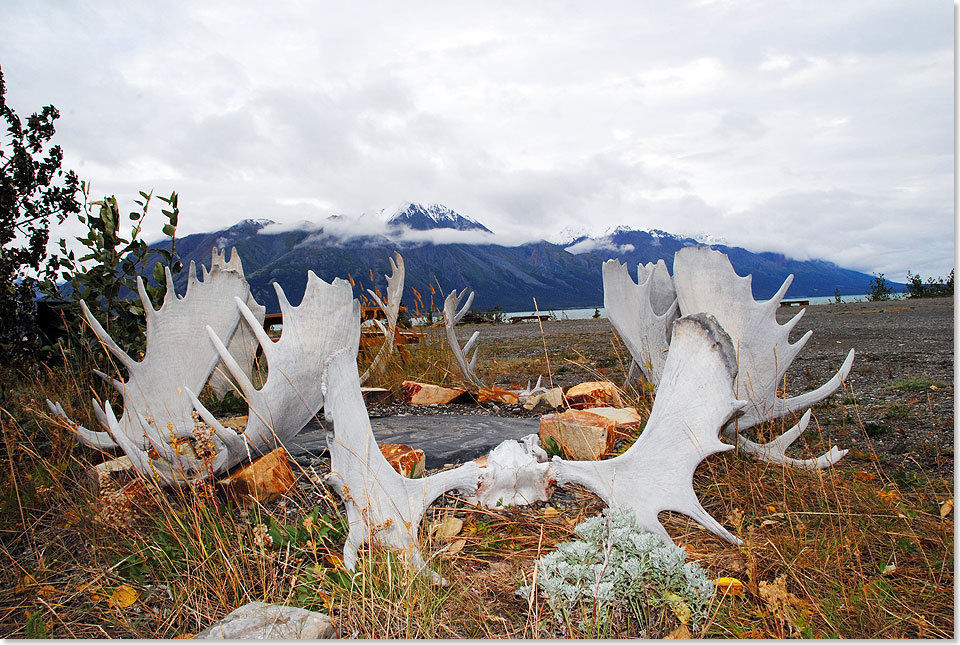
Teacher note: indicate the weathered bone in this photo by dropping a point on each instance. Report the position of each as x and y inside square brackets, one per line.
[243, 344]
[776, 450]
[156, 409]
[391, 309]
[382, 506]
[706, 281]
[323, 323]
[640, 313]
[451, 316]
[517, 473]
[695, 399]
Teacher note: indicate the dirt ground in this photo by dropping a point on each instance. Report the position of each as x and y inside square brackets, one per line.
[897, 404]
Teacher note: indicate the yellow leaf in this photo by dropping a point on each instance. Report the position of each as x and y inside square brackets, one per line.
[124, 596]
[550, 511]
[772, 509]
[447, 527]
[456, 547]
[187, 635]
[679, 608]
[729, 586]
[680, 633]
[946, 507]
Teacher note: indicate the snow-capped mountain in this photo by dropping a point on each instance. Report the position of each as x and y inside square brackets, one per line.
[428, 217]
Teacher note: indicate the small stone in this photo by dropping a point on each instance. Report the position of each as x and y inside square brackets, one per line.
[409, 462]
[551, 399]
[237, 423]
[428, 394]
[376, 395]
[582, 435]
[594, 394]
[259, 620]
[497, 394]
[262, 480]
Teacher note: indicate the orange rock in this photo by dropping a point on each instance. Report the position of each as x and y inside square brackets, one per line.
[262, 480]
[594, 394]
[582, 435]
[409, 462]
[373, 395]
[427, 394]
[497, 394]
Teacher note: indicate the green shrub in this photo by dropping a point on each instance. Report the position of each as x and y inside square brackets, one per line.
[617, 567]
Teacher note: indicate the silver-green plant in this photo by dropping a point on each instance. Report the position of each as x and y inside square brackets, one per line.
[616, 566]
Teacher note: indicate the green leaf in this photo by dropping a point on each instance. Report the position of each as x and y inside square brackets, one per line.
[134, 216]
[158, 273]
[169, 230]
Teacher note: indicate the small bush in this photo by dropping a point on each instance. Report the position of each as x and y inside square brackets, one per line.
[616, 567]
[914, 384]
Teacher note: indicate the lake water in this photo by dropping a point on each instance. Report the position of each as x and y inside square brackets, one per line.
[580, 314]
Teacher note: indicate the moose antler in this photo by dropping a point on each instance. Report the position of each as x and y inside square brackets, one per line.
[451, 316]
[693, 402]
[322, 324]
[382, 506]
[156, 412]
[706, 281]
[391, 309]
[641, 313]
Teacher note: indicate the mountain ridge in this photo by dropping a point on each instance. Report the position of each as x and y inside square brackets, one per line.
[559, 276]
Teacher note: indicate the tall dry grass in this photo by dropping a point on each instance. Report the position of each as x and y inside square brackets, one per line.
[851, 551]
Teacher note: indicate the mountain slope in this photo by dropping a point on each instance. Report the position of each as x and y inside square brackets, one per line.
[510, 277]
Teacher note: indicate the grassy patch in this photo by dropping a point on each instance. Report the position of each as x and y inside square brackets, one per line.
[914, 384]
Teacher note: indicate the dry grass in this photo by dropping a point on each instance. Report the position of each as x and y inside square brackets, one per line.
[852, 551]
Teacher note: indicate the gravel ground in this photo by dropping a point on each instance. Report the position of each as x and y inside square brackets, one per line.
[910, 427]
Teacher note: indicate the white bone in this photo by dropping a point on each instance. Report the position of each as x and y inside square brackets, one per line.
[177, 355]
[450, 318]
[706, 281]
[694, 401]
[516, 474]
[776, 450]
[391, 309]
[382, 506]
[638, 312]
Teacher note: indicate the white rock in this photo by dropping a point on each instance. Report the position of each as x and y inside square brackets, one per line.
[262, 621]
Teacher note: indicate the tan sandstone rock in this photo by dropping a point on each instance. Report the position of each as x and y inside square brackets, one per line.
[627, 419]
[582, 435]
[498, 395]
[428, 394]
[262, 480]
[594, 394]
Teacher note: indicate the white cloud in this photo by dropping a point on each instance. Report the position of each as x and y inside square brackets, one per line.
[693, 118]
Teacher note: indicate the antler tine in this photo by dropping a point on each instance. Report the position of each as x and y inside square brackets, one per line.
[776, 451]
[171, 292]
[237, 372]
[117, 385]
[266, 343]
[148, 310]
[89, 438]
[232, 441]
[105, 338]
[774, 302]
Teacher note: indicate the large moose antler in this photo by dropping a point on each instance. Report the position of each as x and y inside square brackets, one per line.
[325, 321]
[391, 309]
[382, 506]
[706, 281]
[156, 411]
[451, 316]
[642, 312]
[695, 399]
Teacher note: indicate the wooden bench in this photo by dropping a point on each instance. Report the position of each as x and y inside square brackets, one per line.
[541, 318]
[794, 303]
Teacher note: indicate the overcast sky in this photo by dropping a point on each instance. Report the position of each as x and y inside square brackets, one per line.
[816, 129]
